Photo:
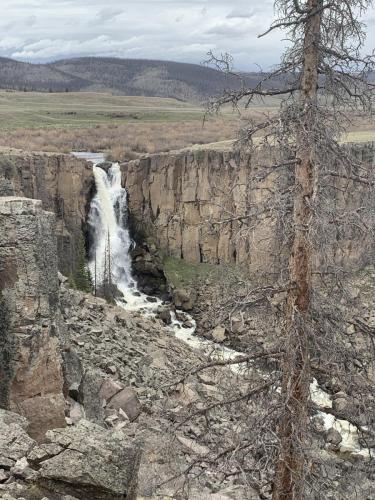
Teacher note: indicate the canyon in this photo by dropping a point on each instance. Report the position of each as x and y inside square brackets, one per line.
[82, 379]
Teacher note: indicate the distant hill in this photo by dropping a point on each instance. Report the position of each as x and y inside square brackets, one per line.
[187, 82]
[42, 77]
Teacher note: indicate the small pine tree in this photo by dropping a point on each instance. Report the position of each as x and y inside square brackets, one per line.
[81, 277]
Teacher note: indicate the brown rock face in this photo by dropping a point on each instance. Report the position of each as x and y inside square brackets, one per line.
[172, 193]
[31, 378]
[62, 182]
[209, 206]
[183, 200]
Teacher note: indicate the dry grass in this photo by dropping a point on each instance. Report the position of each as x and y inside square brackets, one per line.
[125, 141]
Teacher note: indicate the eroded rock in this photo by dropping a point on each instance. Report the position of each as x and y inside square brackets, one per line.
[96, 463]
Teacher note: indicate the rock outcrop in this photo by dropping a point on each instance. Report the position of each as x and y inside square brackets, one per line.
[80, 462]
[31, 379]
[63, 183]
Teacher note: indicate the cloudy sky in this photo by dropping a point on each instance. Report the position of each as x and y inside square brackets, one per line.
[179, 30]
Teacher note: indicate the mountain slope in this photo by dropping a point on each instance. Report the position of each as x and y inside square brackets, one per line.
[25, 76]
[188, 82]
[150, 78]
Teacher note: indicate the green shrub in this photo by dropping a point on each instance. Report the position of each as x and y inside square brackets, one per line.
[80, 279]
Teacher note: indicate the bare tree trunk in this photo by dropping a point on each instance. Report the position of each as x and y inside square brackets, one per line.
[291, 467]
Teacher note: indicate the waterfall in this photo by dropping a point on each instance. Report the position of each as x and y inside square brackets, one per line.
[109, 257]
[110, 260]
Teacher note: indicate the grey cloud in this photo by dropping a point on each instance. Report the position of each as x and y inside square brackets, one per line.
[42, 30]
[108, 14]
[240, 14]
[226, 30]
[30, 20]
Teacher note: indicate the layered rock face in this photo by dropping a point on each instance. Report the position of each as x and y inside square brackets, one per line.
[63, 184]
[230, 207]
[31, 379]
[185, 199]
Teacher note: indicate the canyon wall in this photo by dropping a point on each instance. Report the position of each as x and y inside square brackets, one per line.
[63, 183]
[229, 207]
[31, 380]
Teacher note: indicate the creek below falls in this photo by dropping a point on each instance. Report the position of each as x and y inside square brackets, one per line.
[109, 260]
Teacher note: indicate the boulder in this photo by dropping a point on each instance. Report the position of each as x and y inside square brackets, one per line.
[340, 403]
[45, 412]
[15, 443]
[184, 299]
[127, 401]
[72, 370]
[4, 475]
[236, 324]
[109, 388]
[89, 396]
[42, 452]
[219, 333]
[105, 165]
[165, 315]
[22, 470]
[96, 463]
[333, 437]
[76, 412]
[8, 417]
[192, 446]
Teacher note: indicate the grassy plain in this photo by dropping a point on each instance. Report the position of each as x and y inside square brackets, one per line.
[125, 127]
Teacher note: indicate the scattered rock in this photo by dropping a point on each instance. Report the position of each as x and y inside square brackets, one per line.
[111, 369]
[72, 369]
[152, 299]
[206, 378]
[186, 394]
[62, 278]
[45, 450]
[76, 413]
[193, 446]
[22, 470]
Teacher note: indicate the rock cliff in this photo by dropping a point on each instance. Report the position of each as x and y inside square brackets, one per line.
[31, 378]
[208, 206]
[62, 182]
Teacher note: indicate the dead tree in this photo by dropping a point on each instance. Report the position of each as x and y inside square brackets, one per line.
[323, 78]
